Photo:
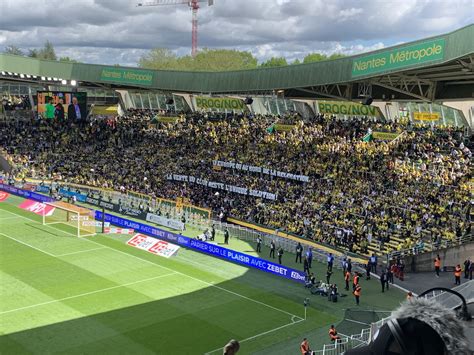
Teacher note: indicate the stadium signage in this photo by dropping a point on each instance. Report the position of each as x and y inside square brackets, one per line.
[426, 116]
[127, 76]
[79, 197]
[153, 245]
[260, 170]
[26, 194]
[386, 136]
[222, 186]
[399, 58]
[211, 249]
[283, 127]
[37, 207]
[3, 196]
[163, 221]
[42, 188]
[347, 108]
[224, 103]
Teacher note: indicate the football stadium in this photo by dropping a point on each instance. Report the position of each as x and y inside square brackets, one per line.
[203, 207]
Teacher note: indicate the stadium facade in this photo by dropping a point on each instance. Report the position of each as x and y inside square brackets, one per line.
[434, 75]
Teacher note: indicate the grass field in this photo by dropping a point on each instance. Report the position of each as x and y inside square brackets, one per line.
[96, 295]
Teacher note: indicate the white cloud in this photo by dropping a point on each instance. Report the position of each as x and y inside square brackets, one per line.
[116, 31]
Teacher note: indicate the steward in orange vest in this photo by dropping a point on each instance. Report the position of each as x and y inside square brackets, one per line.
[304, 347]
[457, 275]
[355, 280]
[333, 333]
[347, 278]
[357, 291]
[437, 264]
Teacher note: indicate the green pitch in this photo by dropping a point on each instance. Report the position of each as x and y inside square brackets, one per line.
[96, 295]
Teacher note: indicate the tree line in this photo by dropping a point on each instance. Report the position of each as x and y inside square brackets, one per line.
[205, 60]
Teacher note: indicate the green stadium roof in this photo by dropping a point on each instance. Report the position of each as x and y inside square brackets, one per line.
[438, 67]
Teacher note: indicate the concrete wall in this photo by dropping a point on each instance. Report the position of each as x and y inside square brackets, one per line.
[449, 258]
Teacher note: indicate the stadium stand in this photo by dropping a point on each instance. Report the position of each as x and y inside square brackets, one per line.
[362, 195]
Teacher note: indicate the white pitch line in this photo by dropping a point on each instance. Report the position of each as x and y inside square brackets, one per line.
[259, 335]
[28, 245]
[205, 282]
[13, 217]
[191, 277]
[78, 252]
[85, 294]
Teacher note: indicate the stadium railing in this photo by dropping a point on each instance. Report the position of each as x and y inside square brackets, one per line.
[366, 335]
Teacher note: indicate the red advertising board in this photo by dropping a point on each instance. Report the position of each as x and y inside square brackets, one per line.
[3, 195]
[37, 207]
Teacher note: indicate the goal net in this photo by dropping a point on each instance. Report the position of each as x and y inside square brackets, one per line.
[80, 221]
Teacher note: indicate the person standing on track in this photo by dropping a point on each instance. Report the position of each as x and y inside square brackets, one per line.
[457, 274]
[259, 244]
[309, 255]
[333, 333]
[383, 280]
[306, 266]
[355, 280]
[304, 347]
[226, 236]
[347, 278]
[280, 254]
[437, 264]
[272, 249]
[357, 291]
[299, 252]
[330, 261]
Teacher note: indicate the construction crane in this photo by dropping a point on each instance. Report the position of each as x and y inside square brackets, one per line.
[193, 5]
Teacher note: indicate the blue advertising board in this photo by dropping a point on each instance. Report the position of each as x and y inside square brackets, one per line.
[194, 244]
[79, 197]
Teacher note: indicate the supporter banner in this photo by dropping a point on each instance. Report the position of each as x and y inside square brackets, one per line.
[130, 211]
[127, 76]
[222, 186]
[386, 136]
[426, 116]
[43, 189]
[347, 108]
[221, 103]
[166, 119]
[163, 221]
[283, 127]
[37, 207]
[100, 203]
[258, 169]
[397, 58]
[207, 248]
[153, 245]
[3, 196]
[79, 197]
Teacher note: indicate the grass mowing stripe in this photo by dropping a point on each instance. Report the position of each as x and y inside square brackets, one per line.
[259, 335]
[28, 245]
[166, 268]
[87, 293]
[78, 252]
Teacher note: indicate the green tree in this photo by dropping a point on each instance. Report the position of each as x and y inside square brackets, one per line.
[274, 62]
[47, 52]
[296, 61]
[314, 57]
[33, 53]
[337, 56]
[205, 60]
[14, 50]
[158, 58]
[67, 60]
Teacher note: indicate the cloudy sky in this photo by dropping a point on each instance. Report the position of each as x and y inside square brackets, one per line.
[118, 32]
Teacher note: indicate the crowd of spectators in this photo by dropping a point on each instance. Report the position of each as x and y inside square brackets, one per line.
[358, 192]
